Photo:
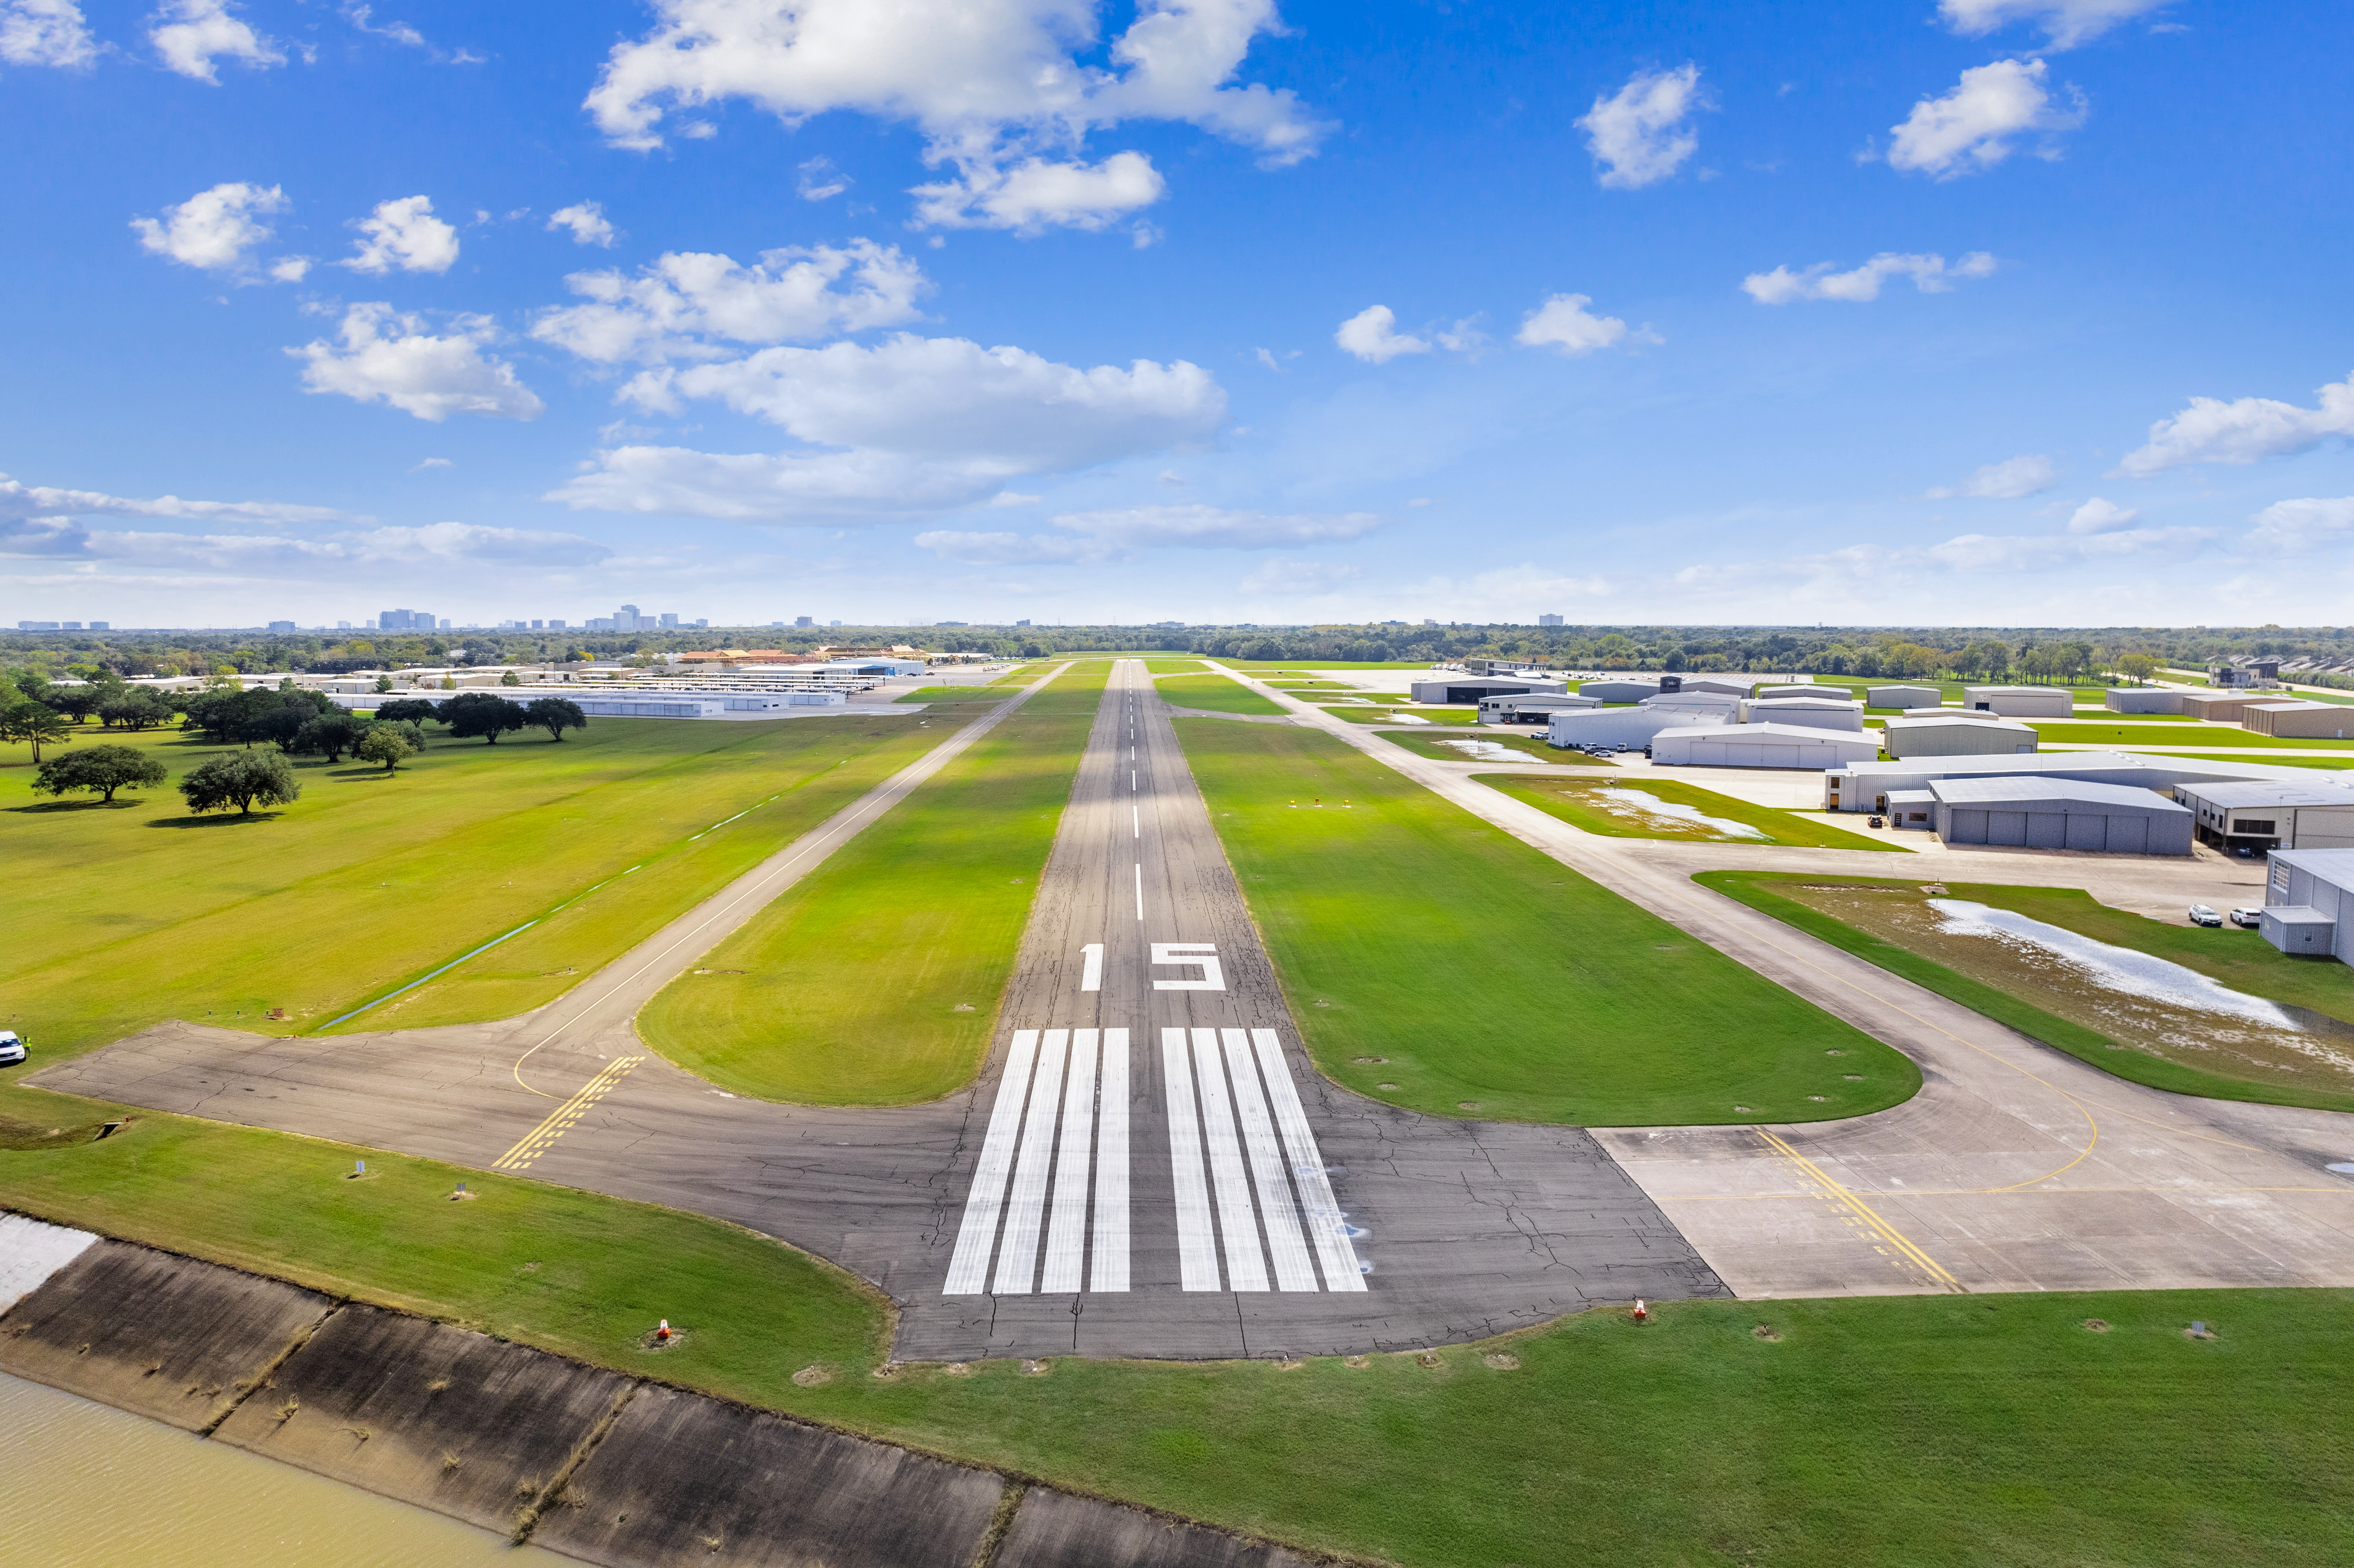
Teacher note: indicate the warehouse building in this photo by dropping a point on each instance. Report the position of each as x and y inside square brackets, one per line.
[1817, 712]
[2020, 702]
[2309, 901]
[1807, 690]
[1472, 688]
[2141, 700]
[2305, 721]
[2059, 813]
[1866, 786]
[2220, 707]
[1729, 685]
[1760, 745]
[1951, 732]
[2258, 817]
[1904, 697]
[1636, 725]
[1619, 689]
[1532, 707]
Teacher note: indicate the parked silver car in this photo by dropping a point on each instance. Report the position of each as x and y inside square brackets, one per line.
[2203, 916]
[12, 1050]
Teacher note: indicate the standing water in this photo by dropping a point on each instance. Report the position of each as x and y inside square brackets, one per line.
[87, 1486]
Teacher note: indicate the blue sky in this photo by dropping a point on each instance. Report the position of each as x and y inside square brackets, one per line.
[1940, 311]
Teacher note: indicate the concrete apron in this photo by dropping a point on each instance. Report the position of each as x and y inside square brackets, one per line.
[599, 1465]
[2016, 1168]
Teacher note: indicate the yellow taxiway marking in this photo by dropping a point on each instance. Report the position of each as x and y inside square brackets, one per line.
[537, 1142]
[1863, 1213]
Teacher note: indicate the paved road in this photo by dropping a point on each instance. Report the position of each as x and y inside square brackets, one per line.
[1147, 1166]
[2016, 1168]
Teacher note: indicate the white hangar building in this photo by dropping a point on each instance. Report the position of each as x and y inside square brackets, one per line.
[1760, 745]
[1904, 697]
[1812, 712]
[1952, 733]
[2020, 702]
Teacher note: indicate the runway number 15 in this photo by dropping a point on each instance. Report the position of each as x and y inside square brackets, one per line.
[1202, 955]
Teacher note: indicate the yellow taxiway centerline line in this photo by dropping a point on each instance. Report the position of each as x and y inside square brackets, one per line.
[1869, 1216]
[558, 1122]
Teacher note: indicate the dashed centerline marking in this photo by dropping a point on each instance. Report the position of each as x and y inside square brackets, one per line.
[539, 1140]
[1864, 1215]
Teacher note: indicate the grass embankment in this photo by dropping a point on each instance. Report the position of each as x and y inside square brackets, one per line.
[2140, 733]
[120, 917]
[1881, 1432]
[1214, 694]
[876, 979]
[2241, 959]
[1574, 801]
[2291, 761]
[1434, 747]
[1432, 960]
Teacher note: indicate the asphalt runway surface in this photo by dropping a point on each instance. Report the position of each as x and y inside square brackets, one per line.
[1147, 1166]
[2016, 1167]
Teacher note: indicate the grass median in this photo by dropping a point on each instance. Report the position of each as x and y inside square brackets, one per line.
[1396, 714]
[1877, 1433]
[123, 916]
[1713, 818]
[876, 979]
[1433, 961]
[1450, 749]
[1214, 694]
[2127, 736]
[2239, 960]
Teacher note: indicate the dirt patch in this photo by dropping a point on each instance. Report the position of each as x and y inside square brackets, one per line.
[2098, 1325]
[810, 1377]
[1767, 1333]
[1502, 1362]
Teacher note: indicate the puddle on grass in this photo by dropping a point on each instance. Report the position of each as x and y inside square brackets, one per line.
[1647, 810]
[2141, 1001]
[1483, 750]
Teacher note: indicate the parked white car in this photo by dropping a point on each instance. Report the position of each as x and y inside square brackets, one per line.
[2203, 916]
[12, 1050]
[2248, 916]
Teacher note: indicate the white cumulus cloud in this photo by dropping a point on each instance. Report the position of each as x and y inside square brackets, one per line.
[1299, 577]
[1372, 335]
[1642, 134]
[2048, 552]
[386, 357]
[675, 308]
[1974, 127]
[2101, 515]
[2243, 430]
[212, 229]
[2066, 23]
[586, 222]
[20, 501]
[404, 236]
[821, 180]
[45, 33]
[1038, 194]
[2006, 481]
[1094, 536]
[2295, 527]
[992, 84]
[189, 35]
[1930, 274]
[1563, 321]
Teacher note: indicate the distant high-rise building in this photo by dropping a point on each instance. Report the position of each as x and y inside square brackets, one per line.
[282, 628]
[406, 621]
[804, 620]
[102, 626]
[627, 618]
[343, 626]
[445, 623]
[555, 626]
[833, 623]
[667, 622]
[37, 626]
[1021, 623]
[69, 626]
[1541, 620]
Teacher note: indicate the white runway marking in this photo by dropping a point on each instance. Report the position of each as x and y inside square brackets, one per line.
[1067, 1233]
[1017, 1255]
[1202, 955]
[1327, 1228]
[977, 1237]
[1140, 890]
[1245, 1265]
[1109, 1268]
[1197, 1255]
[1091, 975]
[1136, 819]
[1292, 1269]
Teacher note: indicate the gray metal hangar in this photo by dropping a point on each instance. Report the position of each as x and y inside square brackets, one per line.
[1950, 733]
[2060, 813]
[1471, 688]
[1903, 697]
[2309, 902]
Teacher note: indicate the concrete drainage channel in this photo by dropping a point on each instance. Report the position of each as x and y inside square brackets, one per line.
[597, 1465]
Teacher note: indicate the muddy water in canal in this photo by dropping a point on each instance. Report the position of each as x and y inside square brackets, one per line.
[2140, 1001]
[85, 1486]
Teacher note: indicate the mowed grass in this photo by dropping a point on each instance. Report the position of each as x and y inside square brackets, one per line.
[1404, 929]
[2241, 959]
[876, 979]
[121, 918]
[1172, 666]
[1264, 667]
[1436, 748]
[1214, 694]
[1893, 1431]
[1574, 800]
[2130, 735]
[1383, 714]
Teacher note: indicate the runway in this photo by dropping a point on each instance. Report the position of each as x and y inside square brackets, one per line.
[1146, 1166]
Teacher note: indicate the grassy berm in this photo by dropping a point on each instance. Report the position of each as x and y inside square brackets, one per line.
[1868, 1433]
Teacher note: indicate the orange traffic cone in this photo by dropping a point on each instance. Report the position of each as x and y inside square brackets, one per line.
[1642, 1313]
[662, 1332]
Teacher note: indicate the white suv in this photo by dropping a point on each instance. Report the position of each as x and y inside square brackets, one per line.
[12, 1050]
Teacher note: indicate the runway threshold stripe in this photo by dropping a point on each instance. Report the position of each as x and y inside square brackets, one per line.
[1107, 1271]
[1197, 1252]
[1066, 1229]
[977, 1237]
[1245, 1264]
[1864, 1211]
[1328, 1227]
[1277, 1208]
[1017, 1255]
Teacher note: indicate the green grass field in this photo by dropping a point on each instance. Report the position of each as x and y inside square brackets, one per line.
[1385, 714]
[1481, 971]
[1574, 801]
[876, 979]
[2139, 733]
[1173, 666]
[2290, 761]
[996, 694]
[1892, 1432]
[1263, 667]
[1214, 694]
[1434, 747]
[121, 918]
[2241, 959]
